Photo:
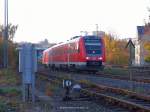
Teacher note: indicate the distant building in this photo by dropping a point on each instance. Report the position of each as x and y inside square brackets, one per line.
[42, 44]
[45, 44]
[142, 54]
[40, 47]
[147, 29]
[99, 33]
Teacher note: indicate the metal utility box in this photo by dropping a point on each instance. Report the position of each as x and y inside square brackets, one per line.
[27, 62]
[28, 68]
[142, 46]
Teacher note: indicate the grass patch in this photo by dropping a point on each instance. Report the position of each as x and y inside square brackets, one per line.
[51, 88]
[140, 90]
[8, 77]
[116, 71]
[4, 107]
[86, 83]
[9, 91]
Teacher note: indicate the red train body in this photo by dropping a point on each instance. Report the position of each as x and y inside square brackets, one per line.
[81, 53]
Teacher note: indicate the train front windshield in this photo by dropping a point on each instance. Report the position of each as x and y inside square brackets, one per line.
[93, 46]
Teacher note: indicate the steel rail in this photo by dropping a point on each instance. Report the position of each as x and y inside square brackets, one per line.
[116, 101]
[113, 100]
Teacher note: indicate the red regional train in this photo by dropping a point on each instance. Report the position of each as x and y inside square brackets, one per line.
[79, 53]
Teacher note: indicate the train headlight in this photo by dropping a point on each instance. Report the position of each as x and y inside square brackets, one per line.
[100, 58]
[87, 58]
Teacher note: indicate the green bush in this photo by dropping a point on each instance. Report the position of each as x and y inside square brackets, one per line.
[9, 91]
[8, 77]
[3, 107]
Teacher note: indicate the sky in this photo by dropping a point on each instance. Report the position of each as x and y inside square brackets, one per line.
[59, 20]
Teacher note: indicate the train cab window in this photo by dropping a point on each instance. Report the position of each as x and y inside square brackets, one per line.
[93, 49]
[93, 46]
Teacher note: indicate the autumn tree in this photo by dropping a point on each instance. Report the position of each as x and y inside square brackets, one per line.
[147, 43]
[115, 50]
[12, 53]
[11, 30]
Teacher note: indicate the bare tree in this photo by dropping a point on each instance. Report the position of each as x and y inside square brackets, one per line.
[11, 30]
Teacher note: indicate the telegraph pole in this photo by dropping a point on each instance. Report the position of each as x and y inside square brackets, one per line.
[5, 35]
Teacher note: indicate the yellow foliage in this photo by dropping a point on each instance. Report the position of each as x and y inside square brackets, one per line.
[115, 51]
[147, 45]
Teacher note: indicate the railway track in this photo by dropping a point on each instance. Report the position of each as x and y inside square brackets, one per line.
[115, 96]
[129, 103]
[132, 78]
[110, 80]
[138, 74]
[79, 105]
[137, 78]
